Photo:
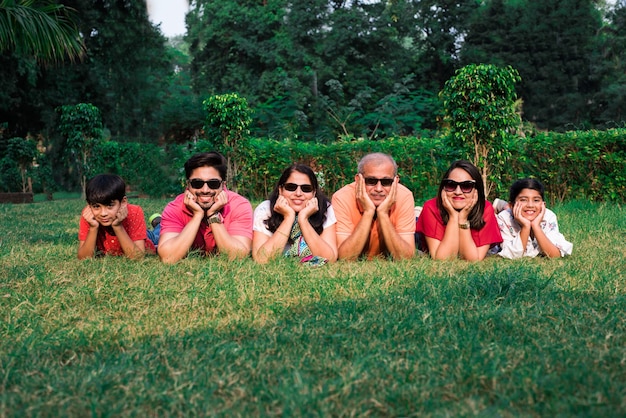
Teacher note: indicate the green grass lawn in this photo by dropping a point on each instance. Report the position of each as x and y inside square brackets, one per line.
[111, 337]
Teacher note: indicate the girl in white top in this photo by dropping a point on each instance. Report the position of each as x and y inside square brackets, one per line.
[297, 220]
[528, 228]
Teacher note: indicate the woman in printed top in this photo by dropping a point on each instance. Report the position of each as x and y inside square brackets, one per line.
[459, 222]
[297, 220]
[528, 228]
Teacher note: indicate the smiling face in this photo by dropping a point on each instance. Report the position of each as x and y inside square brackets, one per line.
[105, 214]
[378, 169]
[205, 196]
[457, 197]
[530, 201]
[297, 199]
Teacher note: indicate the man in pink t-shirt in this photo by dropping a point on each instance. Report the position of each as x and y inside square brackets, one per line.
[206, 216]
[375, 214]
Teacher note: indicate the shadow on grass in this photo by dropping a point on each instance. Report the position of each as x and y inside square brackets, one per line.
[506, 342]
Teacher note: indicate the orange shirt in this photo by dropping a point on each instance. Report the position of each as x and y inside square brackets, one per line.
[349, 214]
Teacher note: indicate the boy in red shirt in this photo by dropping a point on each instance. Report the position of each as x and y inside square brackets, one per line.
[109, 224]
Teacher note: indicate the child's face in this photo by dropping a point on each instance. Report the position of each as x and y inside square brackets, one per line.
[105, 214]
[530, 201]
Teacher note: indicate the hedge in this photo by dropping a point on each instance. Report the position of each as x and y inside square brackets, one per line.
[573, 165]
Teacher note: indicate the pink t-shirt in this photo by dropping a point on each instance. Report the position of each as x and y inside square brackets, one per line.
[431, 225]
[237, 218]
[107, 242]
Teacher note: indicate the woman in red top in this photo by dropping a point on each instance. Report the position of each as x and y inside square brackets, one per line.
[459, 222]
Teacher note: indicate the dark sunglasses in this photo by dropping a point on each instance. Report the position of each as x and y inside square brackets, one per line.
[373, 181]
[213, 183]
[291, 187]
[451, 185]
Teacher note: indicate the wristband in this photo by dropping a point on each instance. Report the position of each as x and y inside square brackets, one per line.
[216, 218]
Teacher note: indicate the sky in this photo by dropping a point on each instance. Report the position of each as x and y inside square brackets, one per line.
[171, 15]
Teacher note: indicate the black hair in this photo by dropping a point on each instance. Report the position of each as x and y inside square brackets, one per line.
[475, 216]
[519, 185]
[207, 159]
[104, 189]
[317, 219]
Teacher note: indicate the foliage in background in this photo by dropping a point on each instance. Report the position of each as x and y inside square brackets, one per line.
[40, 29]
[553, 44]
[390, 59]
[228, 117]
[421, 162]
[81, 126]
[479, 106]
[22, 151]
[146, 168]
[575, 165]
[126, 82]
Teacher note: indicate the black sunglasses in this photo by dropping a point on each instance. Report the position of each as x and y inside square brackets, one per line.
[291, 187]
[451, 185]
[373, 181]
[213, 183]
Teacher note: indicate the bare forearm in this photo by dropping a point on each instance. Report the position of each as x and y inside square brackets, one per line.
[265, 248]
[449, 244]
[234, 247]
[545, 244]
[87, 248]
[129, 247]
[353, 246]
[316, 243]
[174, 248]
[467, 247]
[398, 246]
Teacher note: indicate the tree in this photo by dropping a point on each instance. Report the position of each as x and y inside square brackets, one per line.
[287, 58]
[551, 44]
[40, 29]
[181, 115]
[479, 105]
[610, 69]
[81, 125]
[32, 34]
[23, 152]
[229, 116]
[439, 28]
[127, 71]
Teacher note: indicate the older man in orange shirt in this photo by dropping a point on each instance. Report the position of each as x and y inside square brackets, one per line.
[375, 214]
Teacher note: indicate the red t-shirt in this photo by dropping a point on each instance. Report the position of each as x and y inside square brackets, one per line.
[430, 224]
[107, 242]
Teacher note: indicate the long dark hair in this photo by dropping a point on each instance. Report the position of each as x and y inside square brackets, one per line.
[475, 216]
[318, 218]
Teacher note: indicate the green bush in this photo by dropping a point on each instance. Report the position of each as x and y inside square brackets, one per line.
[144, 167]
[421, 162]
[574, 165]
[578, 164]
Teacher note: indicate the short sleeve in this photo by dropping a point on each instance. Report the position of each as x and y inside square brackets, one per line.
[261, 214]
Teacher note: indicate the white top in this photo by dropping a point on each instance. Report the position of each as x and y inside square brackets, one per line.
[512, 244]
[263, 212]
